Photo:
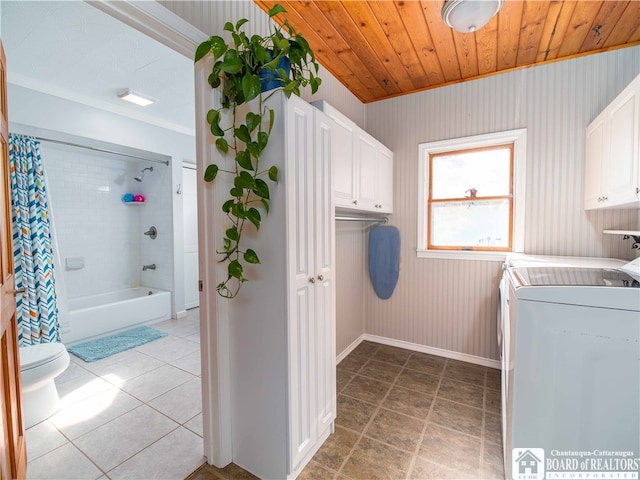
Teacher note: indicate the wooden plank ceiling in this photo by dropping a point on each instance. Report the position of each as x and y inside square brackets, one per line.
[382, 49]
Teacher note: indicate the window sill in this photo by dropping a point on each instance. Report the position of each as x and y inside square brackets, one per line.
[463, 255]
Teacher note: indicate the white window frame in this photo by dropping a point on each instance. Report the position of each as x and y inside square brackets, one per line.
[519, 139]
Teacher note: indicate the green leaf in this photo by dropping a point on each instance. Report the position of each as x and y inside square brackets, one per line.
[263, 139]
[265, 204]
[232, 65]
[251, 257]
[227, 244]
[222, 145]
[315, 83]
[242, 134]
[226, 206]
[273, 174]
[214, 80]
[252, 148]
[237, 210]
[236, 192]
[213, 118]
[202, 50]
[281, 44]
[218, 46]
[244, 160]
[276, 9]
[228, 27]
[241, 22]
[216, 130]
[253, 215]
[272, 117]
[211, 115]
[232, 234]
[210, 173]
[252, 120]
[244, 180]
[261, 53]
[250, 87]
[235, 269]
[261, 188]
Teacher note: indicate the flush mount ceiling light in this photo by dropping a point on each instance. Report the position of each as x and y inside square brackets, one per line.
[135, 97]
[467, 16]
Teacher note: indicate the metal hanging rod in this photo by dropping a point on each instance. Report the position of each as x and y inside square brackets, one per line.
[362, 219]
[103, 150]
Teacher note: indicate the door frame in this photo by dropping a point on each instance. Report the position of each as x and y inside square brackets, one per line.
[161, 24]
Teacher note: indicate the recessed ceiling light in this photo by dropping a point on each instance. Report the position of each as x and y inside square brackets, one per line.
[135, 97]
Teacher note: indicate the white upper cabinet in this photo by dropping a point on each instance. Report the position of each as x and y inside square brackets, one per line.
[362, 166]
[612, 157]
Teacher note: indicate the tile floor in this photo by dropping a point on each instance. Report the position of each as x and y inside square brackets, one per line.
[137, 414]
[406, 415]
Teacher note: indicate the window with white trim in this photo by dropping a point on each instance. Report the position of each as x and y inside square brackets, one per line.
[471, 196]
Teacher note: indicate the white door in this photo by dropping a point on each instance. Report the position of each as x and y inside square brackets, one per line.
[190, 224]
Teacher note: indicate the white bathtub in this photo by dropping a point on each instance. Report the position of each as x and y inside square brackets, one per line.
[98, 315]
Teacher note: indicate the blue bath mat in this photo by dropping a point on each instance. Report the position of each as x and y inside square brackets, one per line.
[106, 346]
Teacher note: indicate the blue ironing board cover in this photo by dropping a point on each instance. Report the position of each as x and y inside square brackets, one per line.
[384, 259]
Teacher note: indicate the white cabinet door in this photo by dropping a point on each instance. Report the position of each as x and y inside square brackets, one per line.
[344, 168]
[612, 157]
[595, 147]
[384, 182]
[302, 328]
[362, 167]
[325, 282]
[366, 159]
[622, 158]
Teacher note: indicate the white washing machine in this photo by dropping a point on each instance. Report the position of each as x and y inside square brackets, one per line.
[522, 260]
[571, 365]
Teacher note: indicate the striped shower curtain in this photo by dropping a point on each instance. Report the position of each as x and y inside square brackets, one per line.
[37, 310]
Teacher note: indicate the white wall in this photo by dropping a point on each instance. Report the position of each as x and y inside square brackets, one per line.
[451, 304]
[40, 111]
[91, 221]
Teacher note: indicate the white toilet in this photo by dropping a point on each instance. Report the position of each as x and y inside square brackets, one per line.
[39, 365]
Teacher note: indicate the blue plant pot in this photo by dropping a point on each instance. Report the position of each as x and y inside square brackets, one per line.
[269, 79]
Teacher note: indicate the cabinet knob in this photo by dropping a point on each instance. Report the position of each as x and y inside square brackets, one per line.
[312, 280]
[637, 190]
[321, 277]
[355, 202]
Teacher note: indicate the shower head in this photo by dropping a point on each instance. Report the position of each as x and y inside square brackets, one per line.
[139, 178]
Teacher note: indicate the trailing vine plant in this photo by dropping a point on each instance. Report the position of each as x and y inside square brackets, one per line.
[238, 69]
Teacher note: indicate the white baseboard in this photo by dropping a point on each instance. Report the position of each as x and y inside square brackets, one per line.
[416, 347]
[349, 349]
[181, 314]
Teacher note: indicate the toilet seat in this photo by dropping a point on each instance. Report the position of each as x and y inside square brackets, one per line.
[35, 356]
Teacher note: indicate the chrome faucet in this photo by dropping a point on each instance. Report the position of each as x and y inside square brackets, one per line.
[149, 267]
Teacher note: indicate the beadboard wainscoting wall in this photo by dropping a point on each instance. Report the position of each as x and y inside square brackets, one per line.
[451, 304]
